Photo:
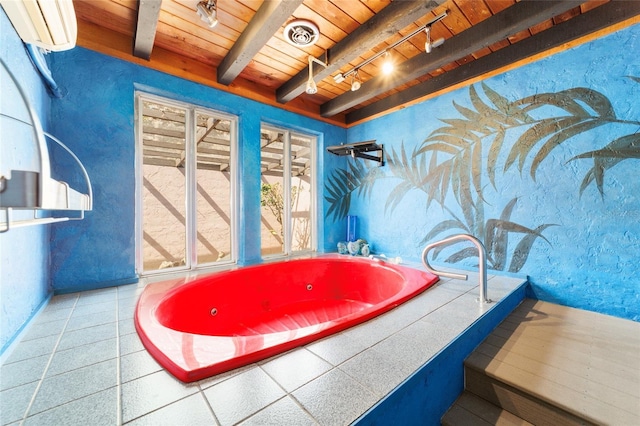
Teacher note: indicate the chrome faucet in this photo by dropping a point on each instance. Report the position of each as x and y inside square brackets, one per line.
[381, 257]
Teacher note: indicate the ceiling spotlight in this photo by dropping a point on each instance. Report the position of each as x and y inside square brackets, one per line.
[312, 88]
[339, 78]
[355, 81]
[387, 65]
[429, 45]
[208, 12]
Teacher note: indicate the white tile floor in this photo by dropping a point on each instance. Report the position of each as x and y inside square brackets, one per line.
[80, 362]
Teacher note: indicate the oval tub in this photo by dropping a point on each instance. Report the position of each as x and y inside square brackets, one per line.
[218, 322]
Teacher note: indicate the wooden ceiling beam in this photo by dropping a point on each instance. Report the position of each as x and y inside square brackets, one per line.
[594, 20]
[512, 20]
[108, 42]
[265, 23]
[148, 14]
[385, 24]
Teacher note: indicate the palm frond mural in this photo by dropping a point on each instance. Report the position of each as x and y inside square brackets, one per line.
[343, 182]
[412, 172]
[495, 234]
[617, 150]
[450, 162]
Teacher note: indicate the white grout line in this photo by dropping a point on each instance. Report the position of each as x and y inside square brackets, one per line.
[208, 404]
[46, 368]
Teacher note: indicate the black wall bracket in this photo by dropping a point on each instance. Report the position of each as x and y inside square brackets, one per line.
[360, 150]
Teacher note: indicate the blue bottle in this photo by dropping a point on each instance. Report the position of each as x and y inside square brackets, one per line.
[351, 227]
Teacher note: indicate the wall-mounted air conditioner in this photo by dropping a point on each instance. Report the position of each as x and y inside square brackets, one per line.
[49, 24]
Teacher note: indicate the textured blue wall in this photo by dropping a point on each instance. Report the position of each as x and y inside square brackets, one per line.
[24, 252]
[580, 243]
[96, 120]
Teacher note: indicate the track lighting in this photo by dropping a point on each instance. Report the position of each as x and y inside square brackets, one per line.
[355, 81]
[429, 45]
[387, 66]
[208, 12]
[312, 88]
[339, 78]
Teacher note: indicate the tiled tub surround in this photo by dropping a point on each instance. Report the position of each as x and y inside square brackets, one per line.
[81, 362]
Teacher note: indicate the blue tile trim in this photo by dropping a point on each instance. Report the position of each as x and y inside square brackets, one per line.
[5, 352]
[104, 284]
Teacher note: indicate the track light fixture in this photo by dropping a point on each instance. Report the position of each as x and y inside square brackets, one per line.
[355, 81]
[429, 45]
[312, 88]
[388, 65]
[208, 12]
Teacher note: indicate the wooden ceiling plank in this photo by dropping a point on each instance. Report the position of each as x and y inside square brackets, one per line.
[475, 11]
[376, 5]
[222, 36]
[148, 14]
[206, 57]
[355, 9]
[115, 17]
[264, 24]
[522, 15]
[251, 4]
[499, 5]
[380, 27]
[328, 28]
[226, 20]
[587, 23]
[333, 14]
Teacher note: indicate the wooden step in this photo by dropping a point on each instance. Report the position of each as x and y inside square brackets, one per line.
[551, 364]
[517, 402]
[471, 410]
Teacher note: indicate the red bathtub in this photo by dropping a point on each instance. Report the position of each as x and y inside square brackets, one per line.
[218, 322]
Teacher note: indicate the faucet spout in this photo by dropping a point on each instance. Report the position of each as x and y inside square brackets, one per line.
[382, 258]
[482, 267]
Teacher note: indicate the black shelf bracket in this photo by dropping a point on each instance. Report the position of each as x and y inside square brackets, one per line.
[360, 150]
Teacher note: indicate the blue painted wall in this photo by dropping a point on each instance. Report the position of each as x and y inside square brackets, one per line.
[24, 252]
[576, 237]
[96, 120]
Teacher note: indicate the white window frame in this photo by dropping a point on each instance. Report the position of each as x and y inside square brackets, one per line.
[191, 111]
[287, 226]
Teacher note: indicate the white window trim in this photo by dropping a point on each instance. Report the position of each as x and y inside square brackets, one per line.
[287, 194]
[191, 195]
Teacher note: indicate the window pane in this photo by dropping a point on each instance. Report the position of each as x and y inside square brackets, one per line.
[300, 193]
[163, 204]
[213, 176]
[272, 194]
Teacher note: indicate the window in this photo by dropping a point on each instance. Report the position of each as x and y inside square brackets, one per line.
[287, 192]
[186, 186]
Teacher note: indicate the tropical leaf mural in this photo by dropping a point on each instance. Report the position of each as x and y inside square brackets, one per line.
[450, 162]
[617, 150]
[343, 182]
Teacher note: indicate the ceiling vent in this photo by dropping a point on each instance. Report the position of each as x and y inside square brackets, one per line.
[301, 33]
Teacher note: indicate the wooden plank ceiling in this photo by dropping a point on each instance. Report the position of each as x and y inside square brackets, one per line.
[246, 52]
